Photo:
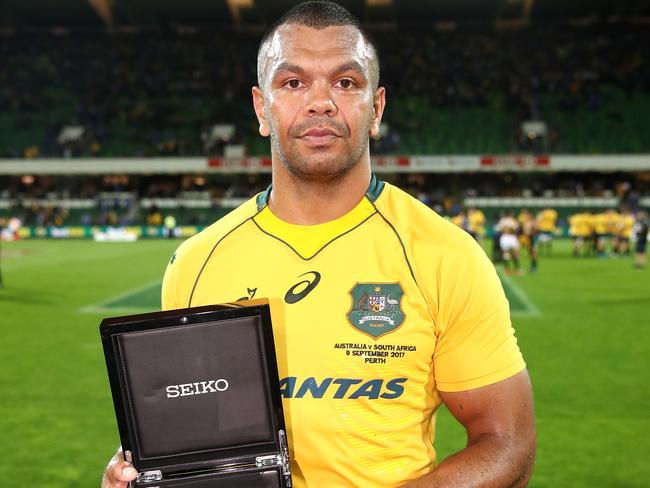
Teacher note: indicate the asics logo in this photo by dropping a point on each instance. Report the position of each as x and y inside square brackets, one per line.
[303, 288]
[251, 294]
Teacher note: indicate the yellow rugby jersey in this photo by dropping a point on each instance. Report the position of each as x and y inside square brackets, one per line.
[524, 217]
[546, 220]
[600, 223]
[613, 221]
[627, 226]
[374, 313]
[580, 225]
[460, 221]
[477, 221]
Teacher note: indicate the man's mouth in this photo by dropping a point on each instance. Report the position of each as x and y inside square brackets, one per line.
[319, 136]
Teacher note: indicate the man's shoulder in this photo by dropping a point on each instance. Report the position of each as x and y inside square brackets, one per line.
[430, 241]
[393, 201]
[187, 261]
[414, 220]
[218, 230]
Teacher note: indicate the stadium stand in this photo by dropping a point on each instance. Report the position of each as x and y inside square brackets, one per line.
[197, 199]
[148, 92]
[143, 85]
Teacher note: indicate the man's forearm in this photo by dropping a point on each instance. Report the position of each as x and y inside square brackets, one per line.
[490, 461]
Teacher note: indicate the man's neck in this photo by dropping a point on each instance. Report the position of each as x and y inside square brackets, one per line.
[308, 202]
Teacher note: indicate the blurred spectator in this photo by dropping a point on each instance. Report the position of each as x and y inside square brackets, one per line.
[152, 92]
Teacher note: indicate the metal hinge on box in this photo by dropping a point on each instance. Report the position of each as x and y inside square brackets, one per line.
[149, 476]
[281, 460]
[284, 455]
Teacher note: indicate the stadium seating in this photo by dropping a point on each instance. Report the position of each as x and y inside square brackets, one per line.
[465, 92]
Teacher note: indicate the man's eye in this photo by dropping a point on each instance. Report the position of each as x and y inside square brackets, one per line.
[293, 83]
[346, 83]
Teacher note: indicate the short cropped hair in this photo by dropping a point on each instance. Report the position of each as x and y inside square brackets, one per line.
[319, 15]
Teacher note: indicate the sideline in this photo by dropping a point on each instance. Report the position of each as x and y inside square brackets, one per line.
[531, 309]
[104, 306]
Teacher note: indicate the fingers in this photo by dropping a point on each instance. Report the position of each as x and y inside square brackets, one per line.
[118, 472]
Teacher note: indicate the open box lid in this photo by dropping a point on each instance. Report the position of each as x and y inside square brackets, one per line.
[197, 389]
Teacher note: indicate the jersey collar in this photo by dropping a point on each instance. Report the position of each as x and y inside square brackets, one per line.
[308, 240]
[372, 193]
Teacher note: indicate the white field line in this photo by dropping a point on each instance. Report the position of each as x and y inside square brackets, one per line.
[102, 306]
[532, 309]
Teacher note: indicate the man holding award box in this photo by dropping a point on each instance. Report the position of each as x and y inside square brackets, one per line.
[382, 310]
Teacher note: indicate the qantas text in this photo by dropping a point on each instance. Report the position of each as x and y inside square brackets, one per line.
[339, 388]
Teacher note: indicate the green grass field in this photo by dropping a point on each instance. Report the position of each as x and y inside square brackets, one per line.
[583, 325]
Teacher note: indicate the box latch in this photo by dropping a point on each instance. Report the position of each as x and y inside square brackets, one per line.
[149, 476]
[266, 461]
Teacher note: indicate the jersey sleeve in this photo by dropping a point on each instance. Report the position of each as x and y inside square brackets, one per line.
[179, 276]
[169, 295]
[476, 345]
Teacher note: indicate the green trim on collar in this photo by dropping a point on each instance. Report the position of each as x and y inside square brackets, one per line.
[374, 190]
[263, 198]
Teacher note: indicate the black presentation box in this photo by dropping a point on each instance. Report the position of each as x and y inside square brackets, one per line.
[197, 396]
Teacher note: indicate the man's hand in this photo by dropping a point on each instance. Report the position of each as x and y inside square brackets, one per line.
[118, 473]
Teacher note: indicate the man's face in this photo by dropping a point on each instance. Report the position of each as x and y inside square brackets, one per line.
[317, 103]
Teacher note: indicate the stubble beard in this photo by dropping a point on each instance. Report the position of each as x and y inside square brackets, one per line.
[319, 167]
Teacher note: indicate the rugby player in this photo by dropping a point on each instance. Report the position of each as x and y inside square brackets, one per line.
[477, 221]
[546, 220]
[528, 236]
[497, 254]
[613, 224]
[625, 230]
[580, 231]
[600, 223]
[508, 228]
[461, 220]
[641, 236]
[354, 267]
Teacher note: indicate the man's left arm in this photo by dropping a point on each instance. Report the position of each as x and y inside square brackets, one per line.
[500, 427]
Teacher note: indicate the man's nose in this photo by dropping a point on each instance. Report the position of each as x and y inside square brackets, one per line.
[320, 100]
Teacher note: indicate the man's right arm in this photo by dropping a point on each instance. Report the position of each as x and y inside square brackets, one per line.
[118, 472]
[501, 439]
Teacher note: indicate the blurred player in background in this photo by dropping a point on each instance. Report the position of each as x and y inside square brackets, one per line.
[497, 254]
[2, 231]
[528, 236]
[613, 226]
[470, 223]
[477, 221]
[600, 224]
[12, 232]
[641, 237]
[624, 232]
[461, 220]
[546, 220]
[169, 223]
[580, 232]
[508, 228]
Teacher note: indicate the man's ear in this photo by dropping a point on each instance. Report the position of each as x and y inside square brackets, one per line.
[258, 104]
[378, 104]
